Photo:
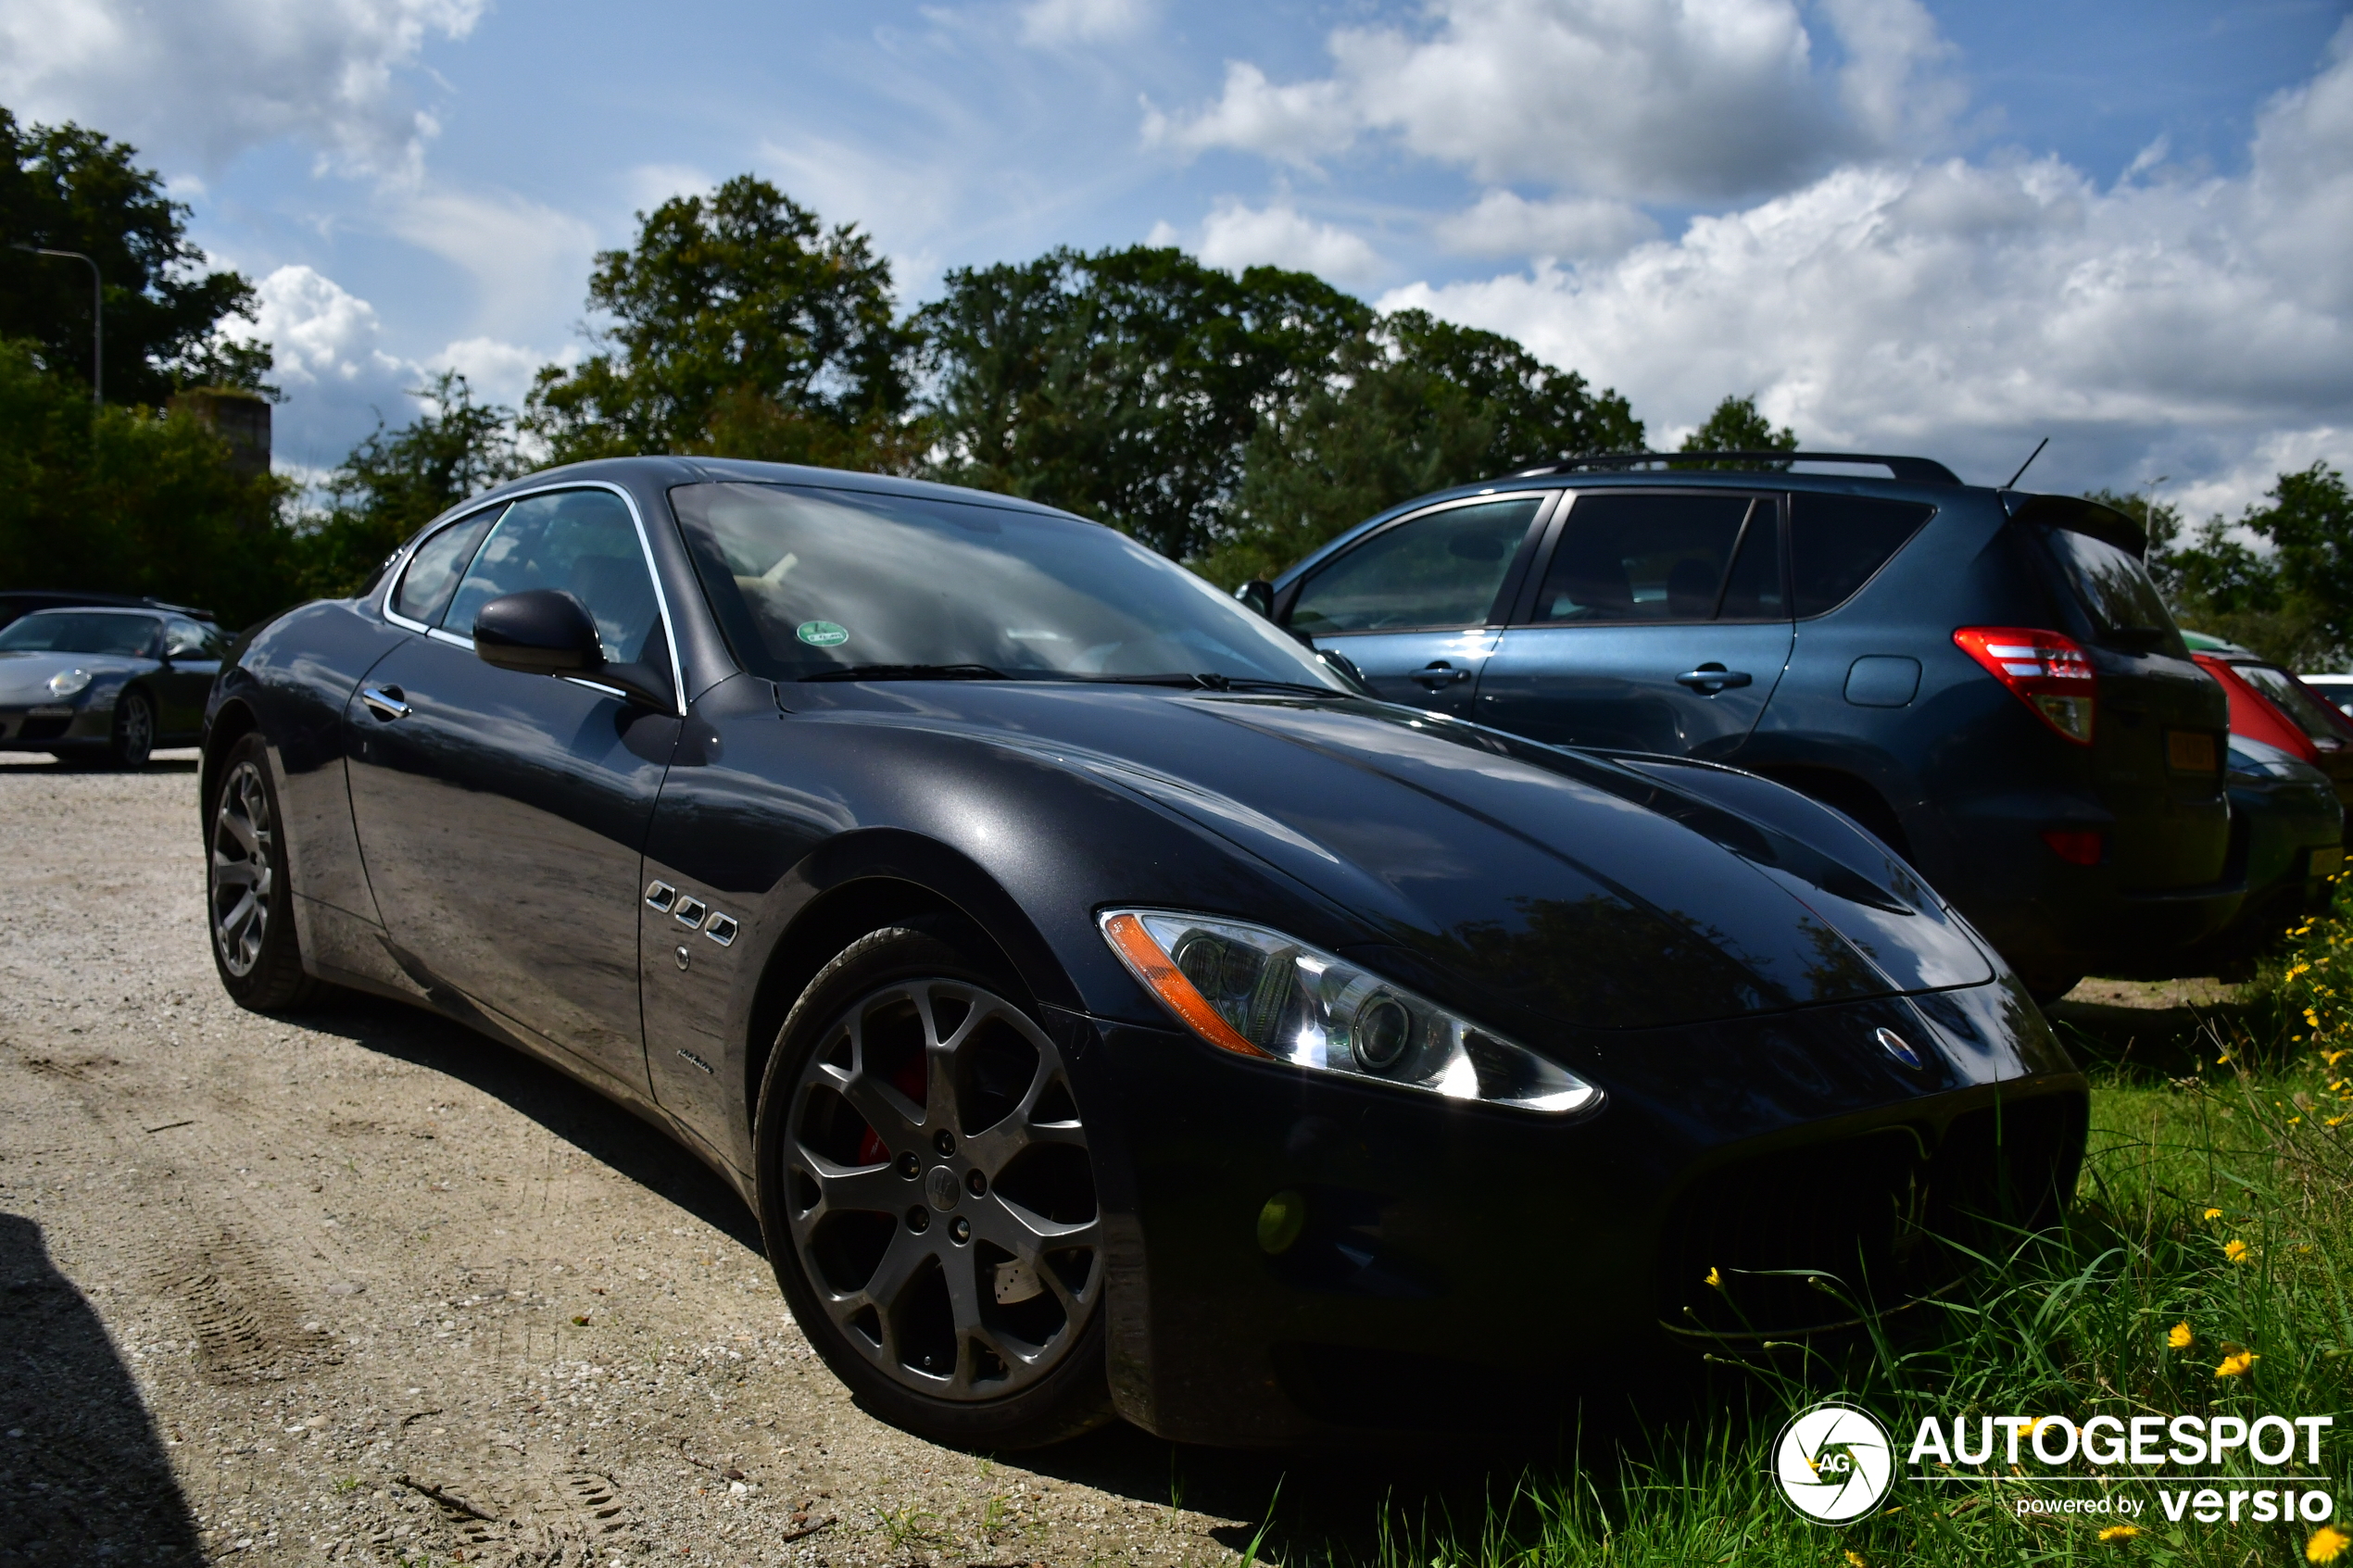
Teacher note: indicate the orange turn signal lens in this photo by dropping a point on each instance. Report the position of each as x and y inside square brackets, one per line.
[1164, 979]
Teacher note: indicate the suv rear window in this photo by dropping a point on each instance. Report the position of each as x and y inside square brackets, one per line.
[2113, 588]
[1838, 543]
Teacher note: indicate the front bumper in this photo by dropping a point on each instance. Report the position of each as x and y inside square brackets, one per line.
[1458, 1261]
[50, 726]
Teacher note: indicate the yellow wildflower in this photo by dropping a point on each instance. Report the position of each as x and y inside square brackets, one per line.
[1855, 1560]
[2179, 1337]
[2235, 1250]
[2213, 1213]
[2328, 1543]
[2333, 1121]
[2120, 1532]
[2237, 1360]
[1715, 1278]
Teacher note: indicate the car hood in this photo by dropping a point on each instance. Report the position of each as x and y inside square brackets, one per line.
[1600, 892]
[24, 673]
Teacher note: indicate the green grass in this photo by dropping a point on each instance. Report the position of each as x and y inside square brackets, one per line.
[2213, 1127]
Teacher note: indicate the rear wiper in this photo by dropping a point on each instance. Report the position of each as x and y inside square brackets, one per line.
[910, 672]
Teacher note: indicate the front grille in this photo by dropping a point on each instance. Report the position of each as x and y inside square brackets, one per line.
[43, 729]
[1805, 1239]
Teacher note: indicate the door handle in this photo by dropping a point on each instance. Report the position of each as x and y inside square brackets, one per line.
[1440, 673]
[1709, 679]
[385, 702]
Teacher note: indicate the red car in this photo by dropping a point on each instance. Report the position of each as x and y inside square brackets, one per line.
[2271, 705]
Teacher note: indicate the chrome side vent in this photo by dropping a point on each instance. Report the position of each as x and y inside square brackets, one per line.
[659, 896]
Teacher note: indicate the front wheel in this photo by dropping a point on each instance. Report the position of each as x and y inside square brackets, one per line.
[929, 1199]
[248, 898]
[135, 730]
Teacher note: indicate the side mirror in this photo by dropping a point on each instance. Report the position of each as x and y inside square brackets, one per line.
[1258, 595]
[542, 631]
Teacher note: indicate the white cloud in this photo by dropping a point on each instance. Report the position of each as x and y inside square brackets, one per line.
[1236, 236]
[337, 378]
[1054, 23]
[1648, 100]
[1582, 228]
[202, 82]
[499, 372]
[529, 262]
[2158, 326]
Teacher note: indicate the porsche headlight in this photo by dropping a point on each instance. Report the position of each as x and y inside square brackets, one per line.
[67, 683]
[1256, 992]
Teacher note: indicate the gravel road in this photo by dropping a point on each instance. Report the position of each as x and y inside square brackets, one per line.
[362, 1287]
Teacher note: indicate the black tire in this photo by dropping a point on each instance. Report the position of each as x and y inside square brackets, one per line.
[848, 1198]
[135, 730]
[248, 896]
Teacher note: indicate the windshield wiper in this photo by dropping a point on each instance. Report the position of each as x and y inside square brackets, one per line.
[1207, 681]
[910, 672]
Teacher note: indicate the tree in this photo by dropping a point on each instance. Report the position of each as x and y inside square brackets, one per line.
[131, 501]
[2292, 603]
[738, 312]
[1125, 385]
[65, 188]
[396, 482]
[1412, 406]
[1736, 426]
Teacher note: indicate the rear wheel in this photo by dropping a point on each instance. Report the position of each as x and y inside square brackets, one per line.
[928, 1198]
[135, 730]
[248, 898]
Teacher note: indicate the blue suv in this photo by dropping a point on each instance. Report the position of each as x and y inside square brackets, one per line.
[1986, 678]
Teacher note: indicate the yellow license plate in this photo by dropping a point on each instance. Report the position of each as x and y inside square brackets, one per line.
[2190, 751]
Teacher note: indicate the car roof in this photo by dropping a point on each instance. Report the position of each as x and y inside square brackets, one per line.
[93, 609]
[672, 471]
[2218, 647]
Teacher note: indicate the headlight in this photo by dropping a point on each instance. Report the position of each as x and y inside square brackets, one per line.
[66, 682]
[1256, 992]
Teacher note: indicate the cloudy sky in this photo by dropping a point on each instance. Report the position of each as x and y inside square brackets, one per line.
[1942, 228]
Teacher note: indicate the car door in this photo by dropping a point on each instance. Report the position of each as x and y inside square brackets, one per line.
[1414, 605]
[1658, 620]
[502, 816]
[191, 659]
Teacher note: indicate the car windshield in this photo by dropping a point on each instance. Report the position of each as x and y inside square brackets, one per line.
[814, 584]
[2318, 720]
[67, 631]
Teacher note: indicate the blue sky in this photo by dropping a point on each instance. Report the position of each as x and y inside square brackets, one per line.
[1944, 228]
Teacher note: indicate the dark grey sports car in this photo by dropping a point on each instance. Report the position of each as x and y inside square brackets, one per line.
[1105, 1004]
[105, 683]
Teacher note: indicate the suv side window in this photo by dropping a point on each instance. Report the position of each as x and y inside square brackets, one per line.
[1626, 556]
[1838, 543]
[1442, 569]
[582, 542]
[432, 571]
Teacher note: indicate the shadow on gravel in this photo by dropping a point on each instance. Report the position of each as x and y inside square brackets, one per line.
[577, 1114]
[83, 1478]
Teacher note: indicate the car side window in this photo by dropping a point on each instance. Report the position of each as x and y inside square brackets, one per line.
[432, 571]
[1442, 569]
[1665, 557]
[185, 639]
[582, 542]
[1838, 543]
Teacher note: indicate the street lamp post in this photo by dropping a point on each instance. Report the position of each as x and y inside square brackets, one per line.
[97, 318]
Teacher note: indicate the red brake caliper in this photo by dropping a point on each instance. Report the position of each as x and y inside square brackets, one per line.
[908, 1081]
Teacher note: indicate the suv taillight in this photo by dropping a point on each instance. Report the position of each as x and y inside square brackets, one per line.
[2047, 671]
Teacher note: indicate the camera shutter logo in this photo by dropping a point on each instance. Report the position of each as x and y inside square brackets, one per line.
[1834, 1463]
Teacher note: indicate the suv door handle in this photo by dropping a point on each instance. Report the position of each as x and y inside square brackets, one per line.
[1709, 679]
[385, 702]
[1440, 673]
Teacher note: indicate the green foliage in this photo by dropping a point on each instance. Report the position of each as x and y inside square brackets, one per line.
[1736, 426]
[1124, 385]
[2293, 604]
[743, 300]
[1412, 405]
[129, 501]
[394, 481]
[65, 188]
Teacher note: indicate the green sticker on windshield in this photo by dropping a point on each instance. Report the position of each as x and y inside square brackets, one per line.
[822, 633]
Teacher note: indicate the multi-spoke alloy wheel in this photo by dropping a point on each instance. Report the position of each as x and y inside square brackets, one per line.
[135, 730]
[242, 873]
[936, 1186]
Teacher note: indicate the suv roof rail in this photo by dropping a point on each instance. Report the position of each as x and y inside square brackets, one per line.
[1913, 471]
